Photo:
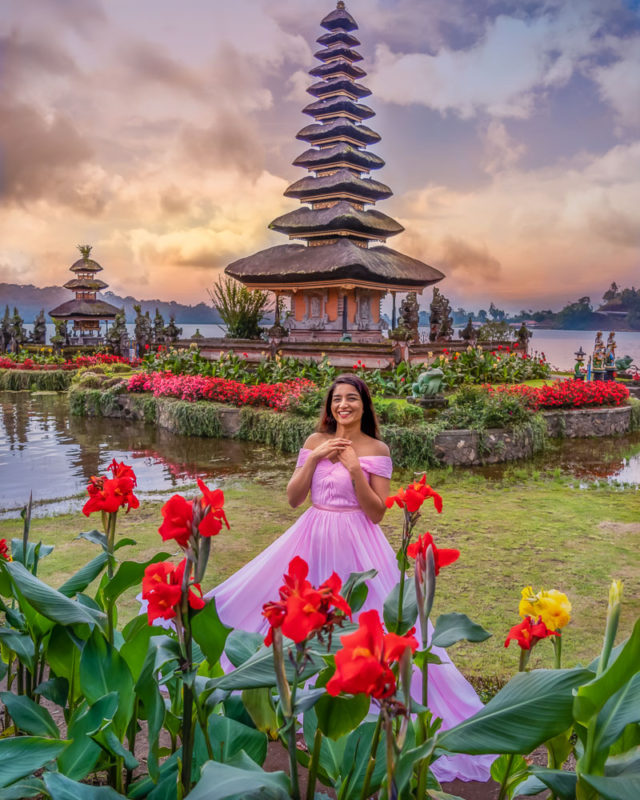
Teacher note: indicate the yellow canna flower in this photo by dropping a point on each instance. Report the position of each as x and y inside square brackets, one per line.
[553, 606]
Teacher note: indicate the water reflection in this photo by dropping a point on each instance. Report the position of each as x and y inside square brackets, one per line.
[44, 449]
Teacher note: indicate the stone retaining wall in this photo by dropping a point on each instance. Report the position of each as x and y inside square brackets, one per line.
[584, 422]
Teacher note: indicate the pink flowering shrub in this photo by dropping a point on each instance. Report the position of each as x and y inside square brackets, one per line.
[220, 390]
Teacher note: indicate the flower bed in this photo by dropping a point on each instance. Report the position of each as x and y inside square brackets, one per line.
[221, 390]
[568, 394]
[53, 363]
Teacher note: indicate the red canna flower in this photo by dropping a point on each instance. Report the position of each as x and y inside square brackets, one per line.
[215, 516]
[302, 609]
[527, 633]
[414, 496]
[363, 666]
[111, 494]
[162, 589]
[178, 520]
[442, 557]
[4, 550]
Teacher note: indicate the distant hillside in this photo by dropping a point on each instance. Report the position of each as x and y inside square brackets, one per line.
[30, 299]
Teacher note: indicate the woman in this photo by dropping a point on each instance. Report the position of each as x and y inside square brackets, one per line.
[347, 469]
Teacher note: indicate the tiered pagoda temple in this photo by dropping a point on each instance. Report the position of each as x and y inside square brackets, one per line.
[338, 276]
[86, 311]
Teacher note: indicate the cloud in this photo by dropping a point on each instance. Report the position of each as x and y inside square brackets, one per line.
[502, 74]
[619, 82]
[469, 262]
[501, 151]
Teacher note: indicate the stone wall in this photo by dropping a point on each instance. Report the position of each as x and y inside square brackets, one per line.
[469, 448]
[584, 422]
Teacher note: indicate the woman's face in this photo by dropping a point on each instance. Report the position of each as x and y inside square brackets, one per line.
[346, 404]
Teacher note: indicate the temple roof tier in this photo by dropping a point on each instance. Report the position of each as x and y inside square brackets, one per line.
[340, 218]
[297, 266]
[338, 50]
[85, 265]
[336, 105]
[339, 155]
[339, 129]
[339, 18]
[339, 86]
[338, 68]
[341, 182]
[82, 309]
[90, 284]
[338, 35]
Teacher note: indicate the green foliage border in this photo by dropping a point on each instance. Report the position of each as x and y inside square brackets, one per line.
[35, 380]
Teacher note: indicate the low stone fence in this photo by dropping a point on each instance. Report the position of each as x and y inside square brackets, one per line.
[452, 447]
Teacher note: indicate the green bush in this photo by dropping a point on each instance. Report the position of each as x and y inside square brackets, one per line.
[397, 412]
[285, 432]
[193, 419]
[476, 408]
[634, 424]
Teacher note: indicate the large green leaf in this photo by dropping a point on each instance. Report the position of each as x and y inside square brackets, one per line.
[94, 536]
[224, 781]
[338, 716]
[61, 788]
[409, 607]
[33, 554]
[209, 632]
[591, 697]
[355, 589]
[29, 717]
[242, 645]
[356, 758]
[148, 691]
[137, 634]
[21, 644]
[561, 783]
[22, 755]
[107, 739]
[331, 753]
[452, 628]
[81, 756]
[621, 787]
[228, 737]
[63, 656]
[50, 602]
[531, 708]
[56, 690]
[103, 670]
[620, 710]
[27, 787]
[84, 576]
[129, 574]
[509, 771]
[261, 708]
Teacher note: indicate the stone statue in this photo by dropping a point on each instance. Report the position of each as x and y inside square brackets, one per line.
[623, 364]
[118, 336]
[39, 335]
[598, 352]
[523, 335]
[610, 352]
[435, 315]
[158, 328]
[468, 333]
[410, 315]
[143, 330]
[17, 332]
[5, 331]
[428, 384]
[172, 332]
[445, 334]
[61, 336]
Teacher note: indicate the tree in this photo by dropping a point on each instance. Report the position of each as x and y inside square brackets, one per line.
[118, 335]
[18, 334]
[577, 316]
[5, 331]
[143, 329]
[241, 310]
[611, 293]
[482, 315]
[496, 313]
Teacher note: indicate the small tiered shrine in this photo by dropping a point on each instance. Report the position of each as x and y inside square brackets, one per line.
[86, 311]
[337, 278]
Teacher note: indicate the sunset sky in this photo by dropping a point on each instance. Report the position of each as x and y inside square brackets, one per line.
[163, 132]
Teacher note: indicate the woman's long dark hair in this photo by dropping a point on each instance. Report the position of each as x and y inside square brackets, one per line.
[368, 423]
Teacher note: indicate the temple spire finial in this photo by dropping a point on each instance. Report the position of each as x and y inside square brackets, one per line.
[340, 5]
[85, 250]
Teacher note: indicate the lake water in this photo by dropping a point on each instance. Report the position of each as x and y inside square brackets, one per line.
[558, 346]
[44, 449]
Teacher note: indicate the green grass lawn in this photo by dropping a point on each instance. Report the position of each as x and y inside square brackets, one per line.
[524, 529]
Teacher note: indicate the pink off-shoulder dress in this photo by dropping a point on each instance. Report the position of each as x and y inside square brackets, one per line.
[334, 534]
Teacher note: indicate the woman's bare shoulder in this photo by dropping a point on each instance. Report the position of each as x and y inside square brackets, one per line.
[314, 440]
[374, 447]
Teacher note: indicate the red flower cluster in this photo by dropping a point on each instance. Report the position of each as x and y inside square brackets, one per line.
[441, 556]
[568, 394]
[162, 589]
[528, 632]
[302, 609]
[363, 666]
[111, 494]
[5, 555]
[180, 516]
[69, 364]
[220, 390]
[414, 496]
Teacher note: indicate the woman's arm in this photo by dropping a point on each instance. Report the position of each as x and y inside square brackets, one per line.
[371, 496]
[300, 484]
